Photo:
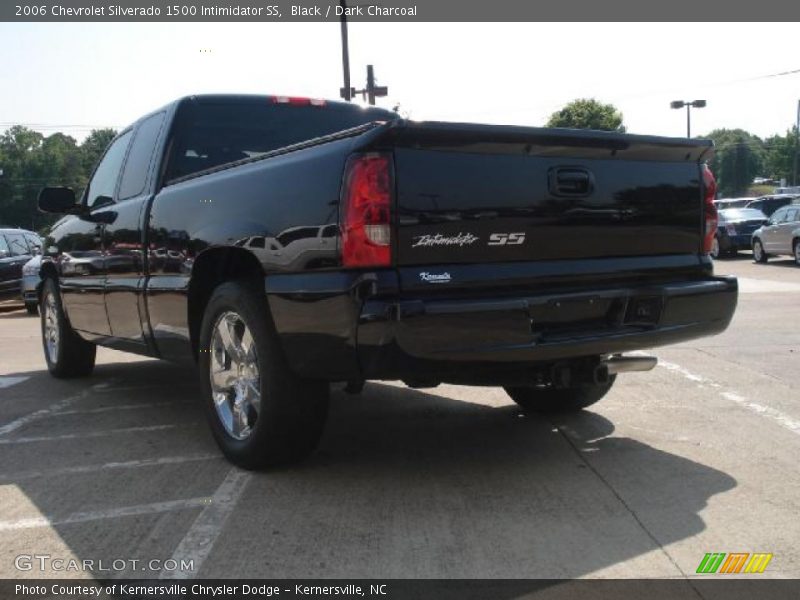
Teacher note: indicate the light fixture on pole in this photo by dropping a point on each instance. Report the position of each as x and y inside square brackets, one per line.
[688, 104]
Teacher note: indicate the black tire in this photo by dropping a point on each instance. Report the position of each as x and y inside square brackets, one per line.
[291, 413]
[32, 308]
[759, 255]
[796, 249]
[572, 399]
[70, 355]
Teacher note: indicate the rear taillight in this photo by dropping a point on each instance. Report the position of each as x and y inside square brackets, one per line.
[709, 210]
[366, 211]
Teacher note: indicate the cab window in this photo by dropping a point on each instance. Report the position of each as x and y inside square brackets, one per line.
[104, 179]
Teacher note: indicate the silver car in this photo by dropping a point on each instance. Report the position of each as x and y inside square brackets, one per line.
[781, 235]
[31, 284]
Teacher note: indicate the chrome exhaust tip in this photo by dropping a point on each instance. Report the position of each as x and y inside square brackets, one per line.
[629, 364]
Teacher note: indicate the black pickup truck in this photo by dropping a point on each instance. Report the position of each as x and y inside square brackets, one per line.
[283, 244]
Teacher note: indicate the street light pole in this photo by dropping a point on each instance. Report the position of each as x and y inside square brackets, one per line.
[346, 91]
[796, 144]
[688, 104]
[688, 120]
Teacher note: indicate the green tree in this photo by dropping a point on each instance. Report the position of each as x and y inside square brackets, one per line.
[94, 146]
[588, 113]
[738, 158]
[30, 161]
[780, 155]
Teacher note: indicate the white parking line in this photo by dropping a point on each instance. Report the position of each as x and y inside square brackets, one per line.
[749, 285]
[196, 545]
[781, 418]
[9, 381]
[44, 412]
[130, 464]
[92, 434]
[102, 409]
[110, 513]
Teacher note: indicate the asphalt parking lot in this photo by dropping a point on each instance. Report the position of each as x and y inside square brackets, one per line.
[699, 455]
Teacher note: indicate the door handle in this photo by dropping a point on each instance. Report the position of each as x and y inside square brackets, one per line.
[570, 182]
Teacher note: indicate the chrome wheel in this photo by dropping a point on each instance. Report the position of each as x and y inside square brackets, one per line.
[51, 328]
[758, 251]
[235, 380]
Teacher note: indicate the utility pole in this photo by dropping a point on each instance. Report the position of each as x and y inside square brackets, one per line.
[796, 144]
[346, 92]
[372, 91]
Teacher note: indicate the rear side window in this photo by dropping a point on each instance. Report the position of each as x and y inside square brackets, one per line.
[137, 166]
[792, 215]
[211, 133]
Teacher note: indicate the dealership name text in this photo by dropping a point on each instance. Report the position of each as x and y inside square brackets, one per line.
[177, 589]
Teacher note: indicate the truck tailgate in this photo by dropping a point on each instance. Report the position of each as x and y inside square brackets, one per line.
[470, 194]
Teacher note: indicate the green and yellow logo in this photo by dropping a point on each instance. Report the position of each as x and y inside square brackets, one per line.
[734, 562]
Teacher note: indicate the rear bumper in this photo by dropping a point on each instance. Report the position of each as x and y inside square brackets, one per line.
[341, 326]
[736, 242]
[402, 339]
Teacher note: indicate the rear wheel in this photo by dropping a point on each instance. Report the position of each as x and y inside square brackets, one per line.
[261, 413]
[549, 399]
[797, 252]
[758, 252]
[66, 353]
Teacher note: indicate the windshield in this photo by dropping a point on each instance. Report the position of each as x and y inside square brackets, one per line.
[740, 214]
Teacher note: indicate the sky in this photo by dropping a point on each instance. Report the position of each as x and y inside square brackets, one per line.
[73, 77]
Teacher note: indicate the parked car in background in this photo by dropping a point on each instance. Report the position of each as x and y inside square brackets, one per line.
[32, 284]
[769, 204]
[723, 203]
[780, 235]
[735, 230]
[787, 190]
[17, 247]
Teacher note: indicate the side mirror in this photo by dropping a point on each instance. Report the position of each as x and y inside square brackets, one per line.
[58, 200]
[3, 253]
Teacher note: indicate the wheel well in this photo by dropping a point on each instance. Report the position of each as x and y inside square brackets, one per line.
[211, 268]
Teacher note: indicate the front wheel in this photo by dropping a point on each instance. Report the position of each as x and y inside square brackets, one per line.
[797, 252]
[261, 413]
[549, 399]
[758, 252]
[66, 353]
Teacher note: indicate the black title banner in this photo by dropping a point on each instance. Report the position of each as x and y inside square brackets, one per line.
[398, 10]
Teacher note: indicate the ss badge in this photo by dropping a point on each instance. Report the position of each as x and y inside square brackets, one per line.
[506, 239]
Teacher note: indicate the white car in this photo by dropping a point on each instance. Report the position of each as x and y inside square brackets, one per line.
[781, 235]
